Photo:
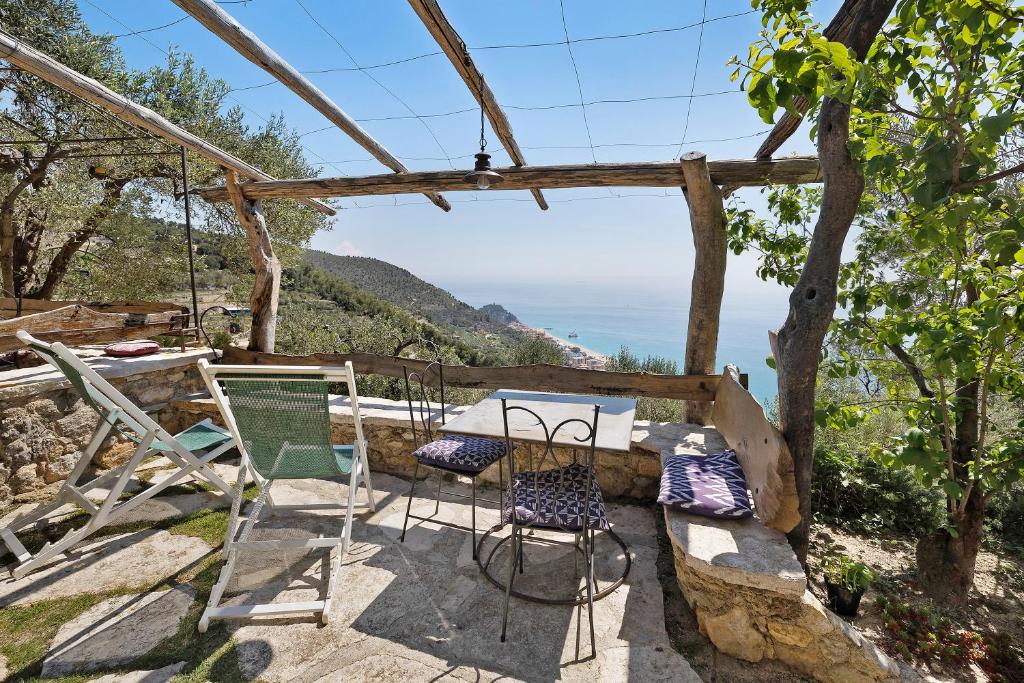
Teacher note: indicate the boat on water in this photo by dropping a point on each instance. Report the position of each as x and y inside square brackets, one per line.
[573, 335]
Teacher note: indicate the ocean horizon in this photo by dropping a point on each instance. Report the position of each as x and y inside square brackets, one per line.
[648, 318]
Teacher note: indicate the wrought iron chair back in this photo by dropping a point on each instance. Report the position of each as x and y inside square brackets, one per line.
[418, 392]
[561, 470]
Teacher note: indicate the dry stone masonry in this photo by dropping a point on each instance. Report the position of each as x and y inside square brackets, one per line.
[45, 425]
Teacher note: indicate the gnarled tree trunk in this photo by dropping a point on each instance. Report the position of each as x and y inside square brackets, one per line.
[266, 288]
[813, 301]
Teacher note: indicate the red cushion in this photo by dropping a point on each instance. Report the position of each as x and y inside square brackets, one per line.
[133, 348]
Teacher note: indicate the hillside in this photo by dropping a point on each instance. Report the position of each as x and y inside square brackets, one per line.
[400, 287]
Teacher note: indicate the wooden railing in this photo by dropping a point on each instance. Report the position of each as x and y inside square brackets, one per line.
[521, 377]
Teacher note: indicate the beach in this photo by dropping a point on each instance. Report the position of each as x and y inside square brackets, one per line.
[575, 355]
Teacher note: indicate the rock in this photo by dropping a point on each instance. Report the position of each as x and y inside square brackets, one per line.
[117, 454]
[158, 676]
[743, 552]
[790, 634]
[24, 479]
[3, 668]
[116, 631]
[132, 560]
[159, 508]
[734, 634]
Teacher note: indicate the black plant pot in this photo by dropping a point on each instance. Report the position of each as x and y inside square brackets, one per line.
[842, 600]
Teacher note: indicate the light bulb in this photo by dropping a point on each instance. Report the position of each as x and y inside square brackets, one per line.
[483, 183]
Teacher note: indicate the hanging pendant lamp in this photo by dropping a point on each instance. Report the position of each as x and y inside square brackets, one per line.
[482, 175]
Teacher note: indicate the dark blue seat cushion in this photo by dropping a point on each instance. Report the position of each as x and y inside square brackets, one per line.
[709, 485]
[555, 499]
[470, 454]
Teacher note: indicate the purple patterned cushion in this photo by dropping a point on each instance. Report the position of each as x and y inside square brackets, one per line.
[561, 494]
[709, 485]
[469, 454]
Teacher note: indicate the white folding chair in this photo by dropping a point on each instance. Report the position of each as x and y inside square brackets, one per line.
[280, 420]
[117, 414]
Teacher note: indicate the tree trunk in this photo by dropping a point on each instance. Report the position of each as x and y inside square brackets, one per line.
[62, 260]
[266, 288]
[813, 300]
[707, 223]
[945, 565]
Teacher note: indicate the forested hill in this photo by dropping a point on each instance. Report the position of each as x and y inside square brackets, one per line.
[402, 288]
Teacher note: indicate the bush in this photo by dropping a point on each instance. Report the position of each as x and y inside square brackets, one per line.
[854, 492]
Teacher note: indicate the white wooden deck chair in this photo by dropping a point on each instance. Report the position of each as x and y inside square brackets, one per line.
[281, 422]
[118, 414]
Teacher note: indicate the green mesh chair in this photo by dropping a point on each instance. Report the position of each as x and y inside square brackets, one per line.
[280, 420]
[191, 450]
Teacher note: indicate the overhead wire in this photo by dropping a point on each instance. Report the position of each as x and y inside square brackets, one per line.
[376, 80]
[579, 84]
[693, 81]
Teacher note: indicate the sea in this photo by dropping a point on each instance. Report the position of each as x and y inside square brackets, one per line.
[650, 319]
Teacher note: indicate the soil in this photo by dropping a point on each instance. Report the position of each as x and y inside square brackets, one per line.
[996, 605]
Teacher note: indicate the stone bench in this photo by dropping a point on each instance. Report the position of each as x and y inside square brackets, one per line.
[742, 578]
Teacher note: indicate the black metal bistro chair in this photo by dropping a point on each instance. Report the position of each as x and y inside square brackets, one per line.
[557, 493]
[467, 456]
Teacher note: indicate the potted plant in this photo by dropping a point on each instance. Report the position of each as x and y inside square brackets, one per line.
[846, 580]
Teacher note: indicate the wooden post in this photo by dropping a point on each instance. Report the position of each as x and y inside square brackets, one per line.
[267, 287]
[707, 222]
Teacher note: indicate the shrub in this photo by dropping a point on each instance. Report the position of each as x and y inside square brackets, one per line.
[856, 493]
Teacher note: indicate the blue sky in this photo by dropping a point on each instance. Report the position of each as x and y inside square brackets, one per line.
[588, 234]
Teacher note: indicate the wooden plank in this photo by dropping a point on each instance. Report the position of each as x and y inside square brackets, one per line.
[245, 43]
[75, 325]
[761, 450]
[707, 224]
[735, 172]
[454, 48]
[43, 66]
[9, 306]
[524, 377]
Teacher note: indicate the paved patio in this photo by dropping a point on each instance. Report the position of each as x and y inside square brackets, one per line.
[416, 611]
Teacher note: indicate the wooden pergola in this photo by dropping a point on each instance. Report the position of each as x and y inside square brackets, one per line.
[704, 183]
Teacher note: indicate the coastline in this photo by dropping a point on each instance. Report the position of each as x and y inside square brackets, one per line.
[575, 355]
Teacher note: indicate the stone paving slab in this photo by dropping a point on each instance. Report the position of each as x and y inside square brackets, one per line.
[129, 560]
[158, 676]
[421, 610]
[116, 631]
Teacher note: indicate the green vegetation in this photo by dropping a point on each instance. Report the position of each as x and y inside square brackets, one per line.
[844, 571]
[920, 144]
[654, 409]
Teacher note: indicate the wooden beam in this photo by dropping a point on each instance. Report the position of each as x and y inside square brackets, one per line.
[707, 223]
[45, 67]
[525, 377]
[245, 43]
[266, 288]
[75, 325]
[742, 172]
[9, 307]
[455, 49]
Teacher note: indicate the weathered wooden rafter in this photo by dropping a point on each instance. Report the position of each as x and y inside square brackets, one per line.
[741, 172]
[43, 66]
[245, 43]
[452, 45]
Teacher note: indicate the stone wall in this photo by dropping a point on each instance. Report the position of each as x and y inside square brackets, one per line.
[635, 475]
[750, 596]
[45, 425]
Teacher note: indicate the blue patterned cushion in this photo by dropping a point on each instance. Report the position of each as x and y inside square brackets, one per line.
[709, 485]
[460, 453]
[567, 485]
